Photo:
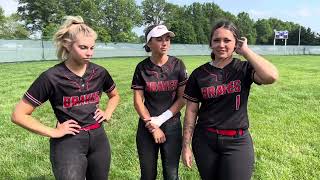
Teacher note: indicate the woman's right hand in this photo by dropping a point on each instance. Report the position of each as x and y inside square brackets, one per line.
[187, 156]
[159, 136]
[150, 126]
[67, 127]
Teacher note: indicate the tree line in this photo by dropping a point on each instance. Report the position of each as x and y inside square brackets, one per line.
[114, 21]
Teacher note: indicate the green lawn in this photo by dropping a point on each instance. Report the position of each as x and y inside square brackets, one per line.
[283, 122]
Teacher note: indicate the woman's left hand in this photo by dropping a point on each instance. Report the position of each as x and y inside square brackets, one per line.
[100, 115]
[242, 45]
[151, 126]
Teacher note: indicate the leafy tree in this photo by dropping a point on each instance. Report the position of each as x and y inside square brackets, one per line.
[90, 11]
[293, 37]
[264, 31]
[176, 21]
[308, 36]
[277, 24]
[184, 32]
[203, 17]
[112, 19]
[2, 16]
[38, 14]
[12, 28]
[199, 22]
[246, 27]
[230, 17]
[213, 12]
[2, 21]
[103, 34]
[119, 17]
[173, 13]
[141, 39]
[153, 11]
[49, 30]
[317, 40]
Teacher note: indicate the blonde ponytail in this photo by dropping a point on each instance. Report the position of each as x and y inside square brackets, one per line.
[67, 33]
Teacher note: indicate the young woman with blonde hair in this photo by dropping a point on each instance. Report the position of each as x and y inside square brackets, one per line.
[79, 147]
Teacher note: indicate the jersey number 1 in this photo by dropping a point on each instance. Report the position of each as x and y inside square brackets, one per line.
[237, 102]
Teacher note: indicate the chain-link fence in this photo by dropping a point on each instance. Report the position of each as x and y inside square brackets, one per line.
[33, 50]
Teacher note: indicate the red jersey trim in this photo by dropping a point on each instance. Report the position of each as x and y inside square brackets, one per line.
[111, 88]
[182, 82]
[191, 98]
[137, 87]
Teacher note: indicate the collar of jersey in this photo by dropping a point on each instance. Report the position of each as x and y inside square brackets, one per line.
[225, 67]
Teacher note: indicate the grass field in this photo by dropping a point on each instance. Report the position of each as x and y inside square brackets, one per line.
[284, 122]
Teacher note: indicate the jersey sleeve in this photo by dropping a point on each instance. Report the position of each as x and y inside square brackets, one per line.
[183, 74]
[192, 89]
[108, 84]
[39, 92]
[249, 74]
[137, 80]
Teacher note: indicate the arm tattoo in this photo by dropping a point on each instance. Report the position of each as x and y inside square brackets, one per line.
[188, 128]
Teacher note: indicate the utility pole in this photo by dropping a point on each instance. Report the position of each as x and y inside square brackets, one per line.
[274, 38]
[299, 35]
[42, 46]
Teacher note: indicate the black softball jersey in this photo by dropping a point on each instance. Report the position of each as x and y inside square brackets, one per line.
[71, 96]
[159, 83]
[222, 94]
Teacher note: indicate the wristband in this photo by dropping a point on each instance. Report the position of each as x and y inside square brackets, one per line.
[159, 120]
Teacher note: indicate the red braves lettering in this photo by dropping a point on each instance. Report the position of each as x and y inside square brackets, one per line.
[70, 101]
[74, 100]
[213, 92]
[230, 87]
[208, 92]
[82, 100]
[66, 102]
[87, 98]
[161, 86]
[237, 86]
[221, 90]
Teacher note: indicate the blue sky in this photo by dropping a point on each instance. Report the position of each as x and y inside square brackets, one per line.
[304, 12]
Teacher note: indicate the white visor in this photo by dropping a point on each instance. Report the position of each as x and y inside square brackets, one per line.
[159, 31]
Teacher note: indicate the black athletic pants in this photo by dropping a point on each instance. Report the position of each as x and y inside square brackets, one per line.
[83, 156]
[170, 150]
[221, 157]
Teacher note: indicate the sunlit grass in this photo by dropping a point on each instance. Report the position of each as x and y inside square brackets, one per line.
[283, 122]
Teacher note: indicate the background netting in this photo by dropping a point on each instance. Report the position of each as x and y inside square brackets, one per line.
[31, 50]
